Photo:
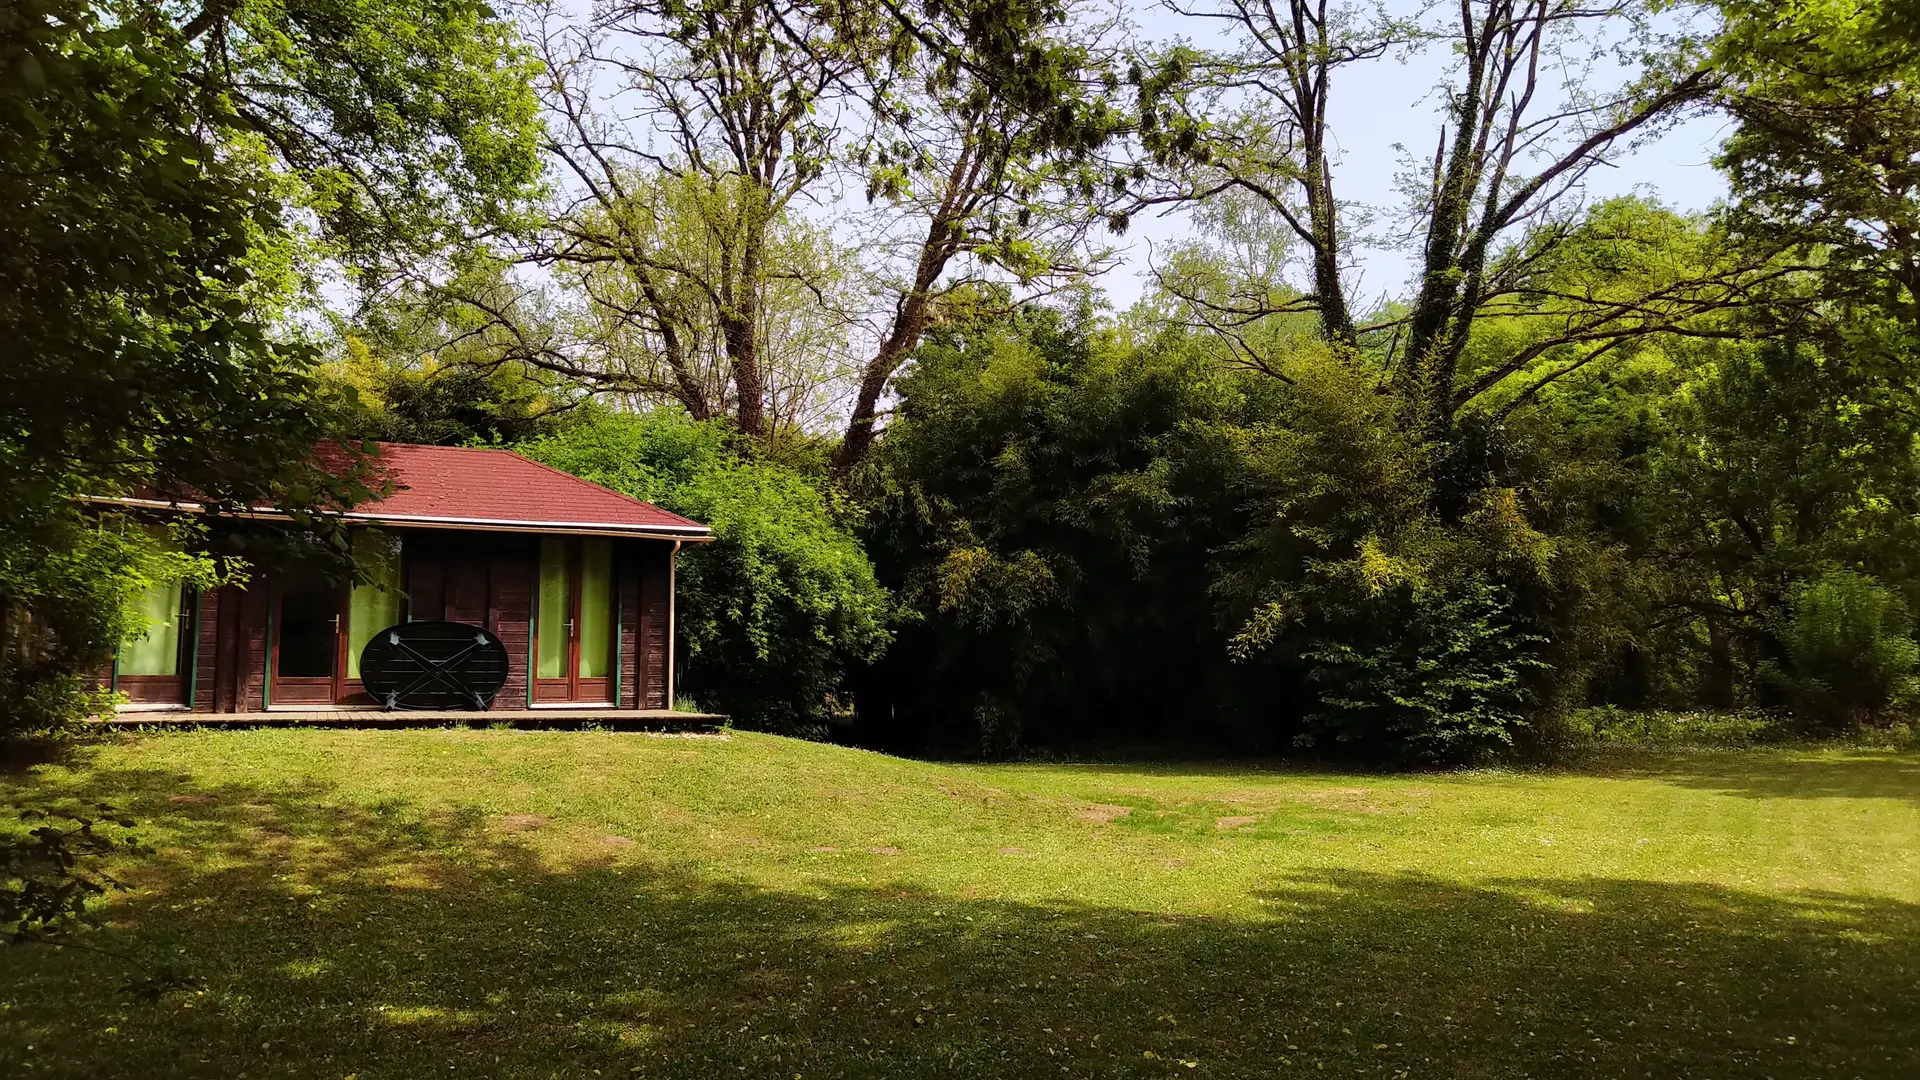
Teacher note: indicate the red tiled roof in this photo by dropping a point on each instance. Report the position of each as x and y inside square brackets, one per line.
[455, 486]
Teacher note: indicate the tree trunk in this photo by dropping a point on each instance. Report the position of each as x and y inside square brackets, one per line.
[908, 325]
[740, 332]
[1718, 682]
[910, 321]
[859, 436]
[743, 355]
[1323, 216]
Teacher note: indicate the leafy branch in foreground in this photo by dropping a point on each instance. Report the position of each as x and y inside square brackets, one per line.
[49, 878]
[50, 875]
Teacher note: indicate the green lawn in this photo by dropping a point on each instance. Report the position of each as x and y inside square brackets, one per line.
[541, 904]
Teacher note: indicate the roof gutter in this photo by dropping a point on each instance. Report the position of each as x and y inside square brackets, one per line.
[693, 534]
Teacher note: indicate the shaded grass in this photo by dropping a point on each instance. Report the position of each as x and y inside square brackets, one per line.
[555, 904]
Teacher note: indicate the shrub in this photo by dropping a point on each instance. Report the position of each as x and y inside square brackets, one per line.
[66, 582]
[1440, 676]
[1661, 728]
[774, 611]
[1849, 650]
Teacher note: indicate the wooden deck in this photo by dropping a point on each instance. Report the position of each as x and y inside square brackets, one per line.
[617, 719]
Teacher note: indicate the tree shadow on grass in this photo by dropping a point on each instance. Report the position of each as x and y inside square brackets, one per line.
[377, 942]
[18, 756]
[1863, 774]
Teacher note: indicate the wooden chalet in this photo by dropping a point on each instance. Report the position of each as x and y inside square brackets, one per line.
[576, 580]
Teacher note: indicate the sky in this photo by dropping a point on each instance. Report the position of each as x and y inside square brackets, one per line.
[1387, 102]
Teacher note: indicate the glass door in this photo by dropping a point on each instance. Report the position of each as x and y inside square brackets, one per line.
[320, 626]
[573, 625]
[306, 642]
[150, 666]
[372, 606]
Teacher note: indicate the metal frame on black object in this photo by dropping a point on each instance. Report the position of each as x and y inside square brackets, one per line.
[434, 665]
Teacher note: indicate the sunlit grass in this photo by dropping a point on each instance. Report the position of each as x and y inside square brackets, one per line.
[536, 904]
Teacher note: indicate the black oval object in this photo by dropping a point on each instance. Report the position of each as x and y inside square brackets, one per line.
[434, 665]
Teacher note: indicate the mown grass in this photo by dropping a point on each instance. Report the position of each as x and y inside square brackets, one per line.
[542, 904]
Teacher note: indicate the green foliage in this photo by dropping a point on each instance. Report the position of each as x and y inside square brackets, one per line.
[1729, 474]
[462, 406]
[447, 401]
[1849, 649]
[1402, 583]
[405, 126]
[1825, 160]
[141, 354]
[157, 207]
[1660, 729]
[776, 610]
[1045, 502]
[1108, 541]
[65, 584]
[1445, 683]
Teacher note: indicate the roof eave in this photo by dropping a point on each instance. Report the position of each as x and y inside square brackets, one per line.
[693, 534]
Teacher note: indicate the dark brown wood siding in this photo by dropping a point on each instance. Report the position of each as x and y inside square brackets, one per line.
[626, 569]
[425, 573]
[653, 626]
[254, 616]
[469, 581]
[510, 607]
[239, 653]
[225, 658]
[485, 579]
[207, 633]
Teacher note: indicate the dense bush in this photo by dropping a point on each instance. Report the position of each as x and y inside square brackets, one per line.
[1446, 681]
[1609, 725]
[1850, 653]
[66, 580]
[1111, 541]
[1044, 504]
[774, 611]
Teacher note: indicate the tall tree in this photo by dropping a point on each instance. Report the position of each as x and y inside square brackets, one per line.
[978, 184]
[738, 101]
[411, 127]
[612, 301]
[1826, 155]
[1524, 121]
[696, 146]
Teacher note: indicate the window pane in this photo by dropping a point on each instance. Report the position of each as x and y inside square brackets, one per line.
[596, 608]
[554, 602]
[374, 606]
[157, 652]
